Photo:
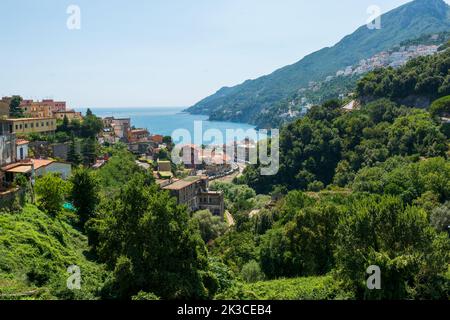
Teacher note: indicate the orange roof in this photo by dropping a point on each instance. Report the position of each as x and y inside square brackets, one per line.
[20, 142]
[20, 169]
[139, 131]
[181, 184]
[39, 163]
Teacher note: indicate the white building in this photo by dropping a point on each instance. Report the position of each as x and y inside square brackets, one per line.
[22, 149]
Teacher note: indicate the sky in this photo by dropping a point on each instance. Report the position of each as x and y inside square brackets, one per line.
[141, 53]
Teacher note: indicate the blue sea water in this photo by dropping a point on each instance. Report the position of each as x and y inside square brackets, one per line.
[165, 120]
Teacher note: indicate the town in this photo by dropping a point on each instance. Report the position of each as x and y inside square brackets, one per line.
[30, 146]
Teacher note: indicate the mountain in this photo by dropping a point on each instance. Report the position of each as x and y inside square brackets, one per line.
[243, 103]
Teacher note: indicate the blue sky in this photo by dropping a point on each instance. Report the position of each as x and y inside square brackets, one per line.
[161, 52]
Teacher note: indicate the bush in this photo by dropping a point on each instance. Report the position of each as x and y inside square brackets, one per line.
[251, 272]
[51, 191]
[382, 231]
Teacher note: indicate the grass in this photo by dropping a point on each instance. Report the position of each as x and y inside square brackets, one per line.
[35, 252]
[307, 288]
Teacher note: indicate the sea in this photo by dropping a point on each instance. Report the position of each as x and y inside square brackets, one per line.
[167, 121]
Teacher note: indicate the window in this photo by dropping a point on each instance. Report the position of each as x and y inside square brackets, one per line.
[17, 127]
[26, 126]
[37, 124]
[20, 126]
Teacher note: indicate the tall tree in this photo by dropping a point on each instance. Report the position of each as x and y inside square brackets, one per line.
[153, 246]
[84, 194]
[65, 124]
[14, 107]
[73, 156]
[89, 151]
[91, 126]
[381, 231]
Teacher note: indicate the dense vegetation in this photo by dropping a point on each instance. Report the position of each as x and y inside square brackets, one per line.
[35, 252]
[330, 145]
[415, 84]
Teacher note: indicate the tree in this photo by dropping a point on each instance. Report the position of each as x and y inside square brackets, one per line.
[84, 194]
[236, 249]
[15, 111]
[73, 156]
[210, 226]
[51, 191]
[91, 126]
[440, 218]
[343, 174]
[251, 272]
[89, 151]
[381, 231]
[441, 107]
[302, 247]
[416, 134]
[64, 127]
[152, 245]
[167, 140]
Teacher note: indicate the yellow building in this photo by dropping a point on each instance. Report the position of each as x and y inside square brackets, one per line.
[31, 125]
[71, 115]
[37, 110]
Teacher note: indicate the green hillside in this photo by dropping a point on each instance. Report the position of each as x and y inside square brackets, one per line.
[243, 102]
[35, 252]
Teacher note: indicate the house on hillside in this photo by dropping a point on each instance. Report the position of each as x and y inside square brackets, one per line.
[194, 193]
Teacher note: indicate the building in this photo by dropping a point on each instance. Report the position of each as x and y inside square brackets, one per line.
[157, 139]
[70, 114]
[164, 165]
[31, 125]
[351, 106]
[121, 127]
[22, 149]
[193, 192]
[191, 156]
[217, 165]
[4, 106]
[47, 106]
[37, 110]
[136, 135]
[7, 144]
[212, 201]
[36, 168]
[107, 122]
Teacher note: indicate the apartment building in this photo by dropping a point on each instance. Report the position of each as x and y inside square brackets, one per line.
[136, 135]
[31, 125]
[194, 193]
[47, 105]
